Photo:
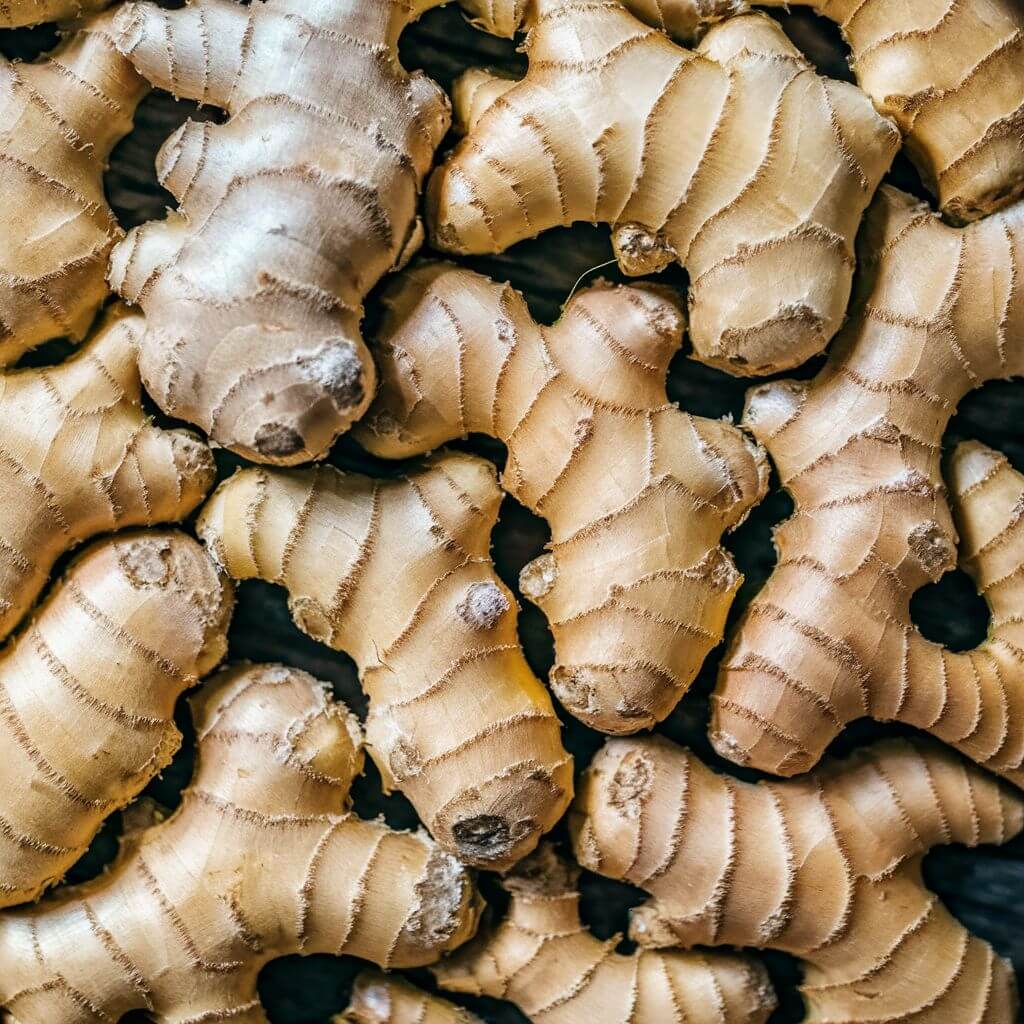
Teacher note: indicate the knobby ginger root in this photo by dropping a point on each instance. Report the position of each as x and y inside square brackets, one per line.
[289, 213]
[78, 457]
[737, 161]
[638, 494]
[542, 959]
[951, 75]
[14, 13]
[261, 860]
[87, 694]
[388, 999]
[59, 119]
[827, 868]
[829, 638]
[397, 573]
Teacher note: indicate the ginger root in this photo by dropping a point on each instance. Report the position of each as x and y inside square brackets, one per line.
[827, 868]
[951, 75]
[388, 999]
[397, 574]
[136, 620]
[261, 860]
[738, 161]
[78, 457]
[638, 494]
[543, 959]
[15, 13]
[289, 213]
[829, 638]
[59, 119]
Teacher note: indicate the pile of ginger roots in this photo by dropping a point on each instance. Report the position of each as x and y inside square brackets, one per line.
[202, 400]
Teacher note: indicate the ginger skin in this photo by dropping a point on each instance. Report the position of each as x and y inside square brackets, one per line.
[543, 959]
[636, 586]
[136, 620]
[826, 867]
[738, 161]
[79, 457]
[951, 75]
[829, 638]
[397, 573]
[16, 13]
[59, 119]
[262, 859]
[253, 288]
[389, 999]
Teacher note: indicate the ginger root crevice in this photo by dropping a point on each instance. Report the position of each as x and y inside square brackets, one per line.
[79, 457]
[636, 586]
[60, 117]
[87, 693]
[398, 574]
[542, 959]
[261, 860]
[736, 160]
[826, 867]
[830, 638]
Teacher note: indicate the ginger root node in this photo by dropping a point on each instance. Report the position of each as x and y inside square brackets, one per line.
[483, 606]
[278, 440]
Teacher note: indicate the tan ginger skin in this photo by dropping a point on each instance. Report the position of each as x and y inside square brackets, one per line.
[635, 586]
[288, 214]
[544, 960]
[60, 117]
[261, 860]
[950, 74]
[737, 160]
[398, 574]
[389, 999]
[79, 457]
[15, 13]
[829, 638]
[826, 867]
[136, 620]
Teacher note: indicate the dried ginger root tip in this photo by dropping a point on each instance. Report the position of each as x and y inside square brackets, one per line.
[82, 458]
[136, 620]
[262, 859]
[826, 868]
[616, 124]
[638, 494]
[830, 638]
[542, 959]
[457, 720]
[253, 288]
[950, 75]
[389, 999]
[60, 117]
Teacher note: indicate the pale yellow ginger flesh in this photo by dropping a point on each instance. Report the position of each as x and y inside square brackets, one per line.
[826, 867]
[636, 586]
[15, 13]
[261, 860]
[950, 73]
[79, 457]
[830, 638]
[389, 999]
[288, 213]
[544, 960]
[87, 692]
[59, 119]
[737, 161]
[397, 573]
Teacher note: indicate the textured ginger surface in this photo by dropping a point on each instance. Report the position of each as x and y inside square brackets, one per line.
[78, 457]
[59, 119]
[288, 213]
[950, 73]
[87, 692]
[827, 868]
[737, 160]
[829, 638]
[398, 574]
[387, 999]
[544, 960]
[14, 13]
[636, 586]
[262, 859]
